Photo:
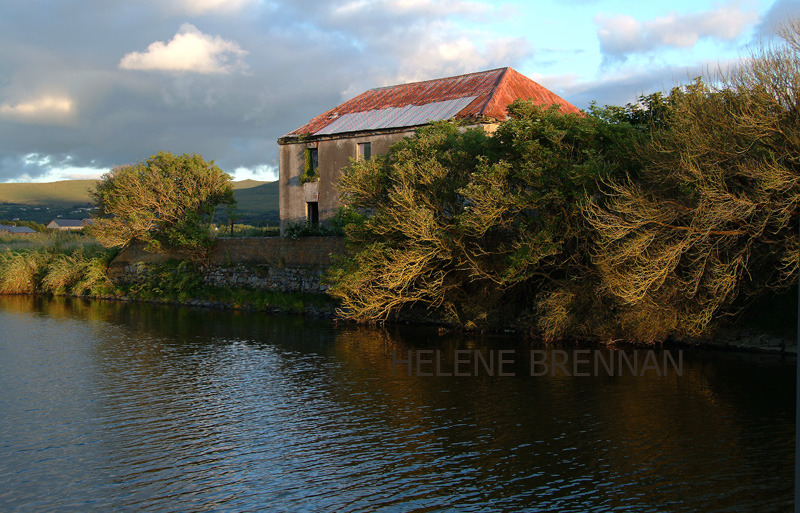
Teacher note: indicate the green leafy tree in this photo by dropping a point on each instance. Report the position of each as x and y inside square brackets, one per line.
[166, 202]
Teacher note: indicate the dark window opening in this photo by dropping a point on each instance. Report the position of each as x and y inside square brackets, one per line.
[363, 151]
[312, 213]
[314, 159]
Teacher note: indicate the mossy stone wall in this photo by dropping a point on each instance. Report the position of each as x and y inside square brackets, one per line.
[288, 265]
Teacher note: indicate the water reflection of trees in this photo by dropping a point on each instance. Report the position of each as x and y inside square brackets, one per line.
[645, 432]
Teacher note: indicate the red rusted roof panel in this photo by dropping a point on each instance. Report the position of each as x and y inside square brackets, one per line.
[492, 91]
[515, 86]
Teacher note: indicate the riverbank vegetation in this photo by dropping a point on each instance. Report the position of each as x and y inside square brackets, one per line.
[655, 220]
[181, 281]
[72, 264]
[642, 222]
[169, 203]
[59, 263]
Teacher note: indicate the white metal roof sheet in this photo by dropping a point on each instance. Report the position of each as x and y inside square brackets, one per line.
[396, 117]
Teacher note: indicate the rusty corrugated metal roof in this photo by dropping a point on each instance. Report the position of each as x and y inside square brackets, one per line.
[476, 95]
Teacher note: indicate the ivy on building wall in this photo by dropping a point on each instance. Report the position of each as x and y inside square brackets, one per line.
[310, 169]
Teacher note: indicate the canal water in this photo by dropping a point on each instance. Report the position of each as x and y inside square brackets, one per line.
[108, 406]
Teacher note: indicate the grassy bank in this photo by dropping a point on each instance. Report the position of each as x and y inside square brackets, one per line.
[246, 230]
[56, 241]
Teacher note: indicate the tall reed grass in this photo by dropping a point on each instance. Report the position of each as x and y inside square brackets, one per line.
[55, 263]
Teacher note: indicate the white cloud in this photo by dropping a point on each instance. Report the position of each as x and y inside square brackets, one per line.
[189, 51]
[41, 168]
[779, 13]
[263, 172]
[441, 50]
[621, 35]
[421, 39]
[396, 41]
[454, 54]
[42, 110]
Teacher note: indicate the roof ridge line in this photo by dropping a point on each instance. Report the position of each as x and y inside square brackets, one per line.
[504, 68]
[494, 89]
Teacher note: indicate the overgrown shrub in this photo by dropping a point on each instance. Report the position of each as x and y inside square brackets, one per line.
[77, 274]
[472, 227]
[709, 223]
[639, 222]
[176, 279]
[20, 271]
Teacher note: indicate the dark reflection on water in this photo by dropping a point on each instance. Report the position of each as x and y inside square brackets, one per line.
[107, 406]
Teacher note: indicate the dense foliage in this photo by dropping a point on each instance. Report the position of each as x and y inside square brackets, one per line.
[473, 226]
[166, 202]
[711, 219]
[637, 222]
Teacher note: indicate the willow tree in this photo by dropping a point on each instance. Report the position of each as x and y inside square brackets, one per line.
[713, 214]
[477, 229]
[166, 202]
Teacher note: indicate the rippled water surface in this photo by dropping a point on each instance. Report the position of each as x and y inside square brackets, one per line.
[107, 406]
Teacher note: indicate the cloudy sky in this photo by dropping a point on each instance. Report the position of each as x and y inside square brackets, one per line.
[90, 84]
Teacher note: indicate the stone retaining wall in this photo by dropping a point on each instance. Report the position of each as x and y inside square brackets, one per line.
[287, 265]
[286, 279]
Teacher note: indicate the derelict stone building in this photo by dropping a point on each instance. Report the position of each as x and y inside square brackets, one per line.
[312, 157]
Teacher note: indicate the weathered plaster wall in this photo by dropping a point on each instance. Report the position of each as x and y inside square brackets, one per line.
[333, 154]
[271, 263]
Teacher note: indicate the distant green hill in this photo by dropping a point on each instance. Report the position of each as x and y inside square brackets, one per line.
[258, 200]
[249, 184]
[253, 195]
[66, 192]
